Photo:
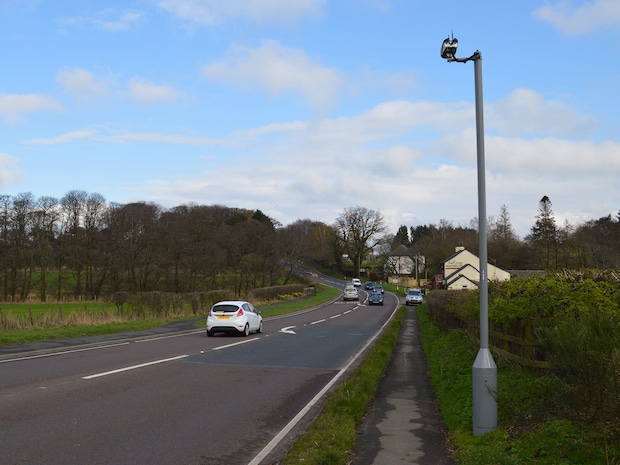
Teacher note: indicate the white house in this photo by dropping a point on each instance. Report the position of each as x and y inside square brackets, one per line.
[460, 271]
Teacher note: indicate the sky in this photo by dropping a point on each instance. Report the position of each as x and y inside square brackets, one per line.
[305, 108]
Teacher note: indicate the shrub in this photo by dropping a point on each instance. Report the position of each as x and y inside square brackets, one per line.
[585, 361]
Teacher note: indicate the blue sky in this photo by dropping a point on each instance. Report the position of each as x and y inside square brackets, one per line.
[303, 108]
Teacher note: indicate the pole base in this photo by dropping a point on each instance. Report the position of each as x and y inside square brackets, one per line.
[484, 387]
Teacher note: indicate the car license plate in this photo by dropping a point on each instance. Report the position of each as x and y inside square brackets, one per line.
[223, 318]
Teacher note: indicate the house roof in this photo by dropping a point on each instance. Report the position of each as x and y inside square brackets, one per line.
[400, 251]
[460, 271]
[458, 252]
[459, 277]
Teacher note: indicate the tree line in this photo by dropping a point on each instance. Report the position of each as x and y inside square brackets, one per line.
[82, 247]
[548, 246]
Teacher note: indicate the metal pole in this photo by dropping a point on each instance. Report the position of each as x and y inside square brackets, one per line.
[484, 370]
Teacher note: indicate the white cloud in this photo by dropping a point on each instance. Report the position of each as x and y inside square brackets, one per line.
[13, 107]
[143, 91]
[107, 20]
[525, 111]
[9, 169]
[111, 136]
[83, 84]
[278, 69]
[582, 19]
[64, 138]
[212, 12]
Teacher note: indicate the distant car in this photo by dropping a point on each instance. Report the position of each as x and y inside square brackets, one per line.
[356, 282]
[414, 297]
[379, 289]
[234, 316]
[350, 293]
[375, 298]
[369, 286]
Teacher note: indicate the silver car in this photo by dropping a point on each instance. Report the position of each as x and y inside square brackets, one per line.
[414, 297]
[234, 316]
[350, 293]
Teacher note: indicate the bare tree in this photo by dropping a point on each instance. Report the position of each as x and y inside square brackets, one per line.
[359, 229]
[44, 219]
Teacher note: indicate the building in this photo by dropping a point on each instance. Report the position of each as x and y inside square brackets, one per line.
[460, 271]
[400, 266]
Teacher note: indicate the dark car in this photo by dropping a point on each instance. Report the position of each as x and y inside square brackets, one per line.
[379, 289]
[375, 298]
[369, 286]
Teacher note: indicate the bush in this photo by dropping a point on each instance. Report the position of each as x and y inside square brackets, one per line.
[585, 361]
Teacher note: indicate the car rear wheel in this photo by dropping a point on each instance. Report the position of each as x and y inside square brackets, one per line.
[246, 330]
[209, 333]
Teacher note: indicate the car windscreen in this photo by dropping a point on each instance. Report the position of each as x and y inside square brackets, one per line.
[225, 308]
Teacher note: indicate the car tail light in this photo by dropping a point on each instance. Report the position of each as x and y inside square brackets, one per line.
[240, 312]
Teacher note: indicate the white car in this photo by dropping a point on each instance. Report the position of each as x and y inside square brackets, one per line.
[234, 316]
[356, 282]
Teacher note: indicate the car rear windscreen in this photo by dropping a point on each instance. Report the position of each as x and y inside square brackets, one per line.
[225, 308]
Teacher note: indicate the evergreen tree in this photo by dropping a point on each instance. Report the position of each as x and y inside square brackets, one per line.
[544, 235]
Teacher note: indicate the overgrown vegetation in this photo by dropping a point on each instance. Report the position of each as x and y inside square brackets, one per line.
[530, 430]
[576, 399]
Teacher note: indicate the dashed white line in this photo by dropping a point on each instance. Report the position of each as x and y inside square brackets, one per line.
[120, 370]
[236, 343]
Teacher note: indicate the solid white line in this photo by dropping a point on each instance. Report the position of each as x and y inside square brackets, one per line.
[282, 434]
[53, 354]
[120, 370]
[236, 344]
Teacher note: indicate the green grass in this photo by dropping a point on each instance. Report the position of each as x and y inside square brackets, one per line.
[324, 294]
[21, 336]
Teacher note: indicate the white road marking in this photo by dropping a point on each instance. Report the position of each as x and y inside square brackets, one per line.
[288, 330]
[157, 338]
[291, 424]
[236, 344]
[52, 354]
[120, 370]
[318, 321]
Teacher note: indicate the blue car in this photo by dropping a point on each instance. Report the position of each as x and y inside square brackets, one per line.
[369, 285]
[375, 298]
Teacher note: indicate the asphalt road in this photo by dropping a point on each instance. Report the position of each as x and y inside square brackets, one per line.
[180, 398]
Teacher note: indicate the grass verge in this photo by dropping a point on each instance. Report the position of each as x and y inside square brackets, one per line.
[331, 438]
